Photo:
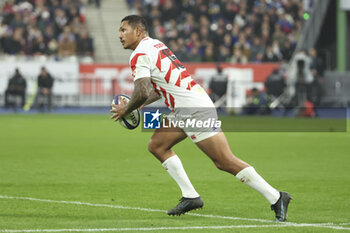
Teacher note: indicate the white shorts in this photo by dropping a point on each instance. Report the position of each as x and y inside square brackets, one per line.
[197, 123]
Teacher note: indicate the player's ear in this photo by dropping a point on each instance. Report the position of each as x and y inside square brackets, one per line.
[138, 31]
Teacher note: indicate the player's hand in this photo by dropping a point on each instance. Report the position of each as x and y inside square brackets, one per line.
[118, 110]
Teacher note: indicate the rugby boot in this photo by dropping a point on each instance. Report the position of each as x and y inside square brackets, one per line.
[185, 205]
[281, 207]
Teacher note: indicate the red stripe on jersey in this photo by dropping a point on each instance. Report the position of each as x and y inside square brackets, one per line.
[167, 76]
[190, 85]
[159, 62]
[155, 88]
[172, 101]
[134, 60]
[165, 96]
[184, 74]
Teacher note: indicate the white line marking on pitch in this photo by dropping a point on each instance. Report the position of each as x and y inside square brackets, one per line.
[168, 228]
[143, 228]
[286, 224]
[131, 208]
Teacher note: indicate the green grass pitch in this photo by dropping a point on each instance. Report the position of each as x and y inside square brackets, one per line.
[69, 160]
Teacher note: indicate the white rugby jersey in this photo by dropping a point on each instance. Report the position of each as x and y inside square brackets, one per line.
[169, 77]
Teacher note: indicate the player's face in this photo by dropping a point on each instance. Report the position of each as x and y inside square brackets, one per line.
[128, 36]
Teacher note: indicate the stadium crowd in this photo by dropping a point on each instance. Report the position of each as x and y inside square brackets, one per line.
[44, 27]
[237, 31]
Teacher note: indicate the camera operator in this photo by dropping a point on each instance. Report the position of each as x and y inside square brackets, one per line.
[303, 78]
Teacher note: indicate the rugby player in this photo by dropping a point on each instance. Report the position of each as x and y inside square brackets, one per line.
[157, 73]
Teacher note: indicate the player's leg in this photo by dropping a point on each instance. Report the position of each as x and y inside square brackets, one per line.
[160, 146]
[217, 148]
[163, 140]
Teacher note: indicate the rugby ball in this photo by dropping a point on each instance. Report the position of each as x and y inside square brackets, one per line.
[131, 120]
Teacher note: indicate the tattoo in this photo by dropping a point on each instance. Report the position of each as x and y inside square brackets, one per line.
[143, 89]
[152, 98]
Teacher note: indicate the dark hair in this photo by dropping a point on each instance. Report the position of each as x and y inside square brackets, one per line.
[135, 20]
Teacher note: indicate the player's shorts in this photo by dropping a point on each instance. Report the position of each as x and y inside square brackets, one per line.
[197, 123]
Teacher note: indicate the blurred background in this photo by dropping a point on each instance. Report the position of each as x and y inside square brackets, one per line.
[252, 56]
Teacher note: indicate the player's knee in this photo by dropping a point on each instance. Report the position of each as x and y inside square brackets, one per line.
[153, 147]
[220, 166]
[226, 166]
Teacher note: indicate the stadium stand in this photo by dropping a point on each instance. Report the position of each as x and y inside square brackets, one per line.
[51, 28]
[233, 32]
[226, 30]
[104, 22]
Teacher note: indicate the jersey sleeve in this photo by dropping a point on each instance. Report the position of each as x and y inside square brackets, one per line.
[140, 66]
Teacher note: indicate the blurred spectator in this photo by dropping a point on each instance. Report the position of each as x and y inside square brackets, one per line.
[228, 42]
[29, 27]
[66, 43]
[275, 84]
[270, 55]
[16, 87]
[180, 52]
[15, 44]
[76, 25]
[279, 36]
[238, 57]
[317, 65]
[158, 29]
[171, 30]
[224, 54]
[255, 49]
[287, 51]
[39, 46]
[217, 85]
[209, 54]
[17, 21]
[285, 21]
[218, 38]
[61, 20]
[169, 11]
[194, 55]
[276, 49]
[66, 34]
[44, 93]
[259, 58]
[274, 22]
[235, 33]
[85, 45]
[52, 47]
[257, 103]
[243, 46]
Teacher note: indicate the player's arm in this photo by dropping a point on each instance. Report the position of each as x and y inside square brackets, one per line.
[153, 97]
[142, 91]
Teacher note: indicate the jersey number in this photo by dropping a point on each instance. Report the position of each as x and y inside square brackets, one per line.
[173, 58]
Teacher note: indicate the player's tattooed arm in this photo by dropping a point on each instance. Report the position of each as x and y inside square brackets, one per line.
[142, 92]
[152, 98]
